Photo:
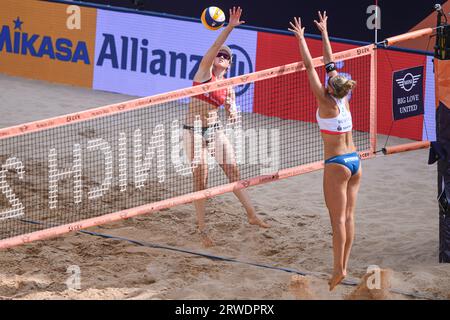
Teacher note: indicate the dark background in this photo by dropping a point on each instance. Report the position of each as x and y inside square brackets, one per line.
[347, 18]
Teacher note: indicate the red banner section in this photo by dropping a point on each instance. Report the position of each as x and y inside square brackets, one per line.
[275, 50]
[280, 101]
[388, 62]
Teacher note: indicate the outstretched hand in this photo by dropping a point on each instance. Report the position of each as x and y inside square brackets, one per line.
[235, 16]
[322, 25]
[297, 28]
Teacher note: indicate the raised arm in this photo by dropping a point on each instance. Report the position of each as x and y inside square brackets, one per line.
[327, 51]
[204, 72]
[313, 77]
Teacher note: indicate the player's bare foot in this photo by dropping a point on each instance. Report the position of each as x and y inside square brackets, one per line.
[336, 279]
[257, 222]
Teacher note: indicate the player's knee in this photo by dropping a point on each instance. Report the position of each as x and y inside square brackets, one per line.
[338, 219]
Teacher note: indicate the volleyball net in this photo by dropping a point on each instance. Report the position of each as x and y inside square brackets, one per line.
[136, 157]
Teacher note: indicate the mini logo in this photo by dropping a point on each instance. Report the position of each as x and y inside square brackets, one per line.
[245, 183]
[73, 118]
[408, 82]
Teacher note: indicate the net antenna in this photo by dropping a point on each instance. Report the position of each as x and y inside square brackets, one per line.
[441, 13]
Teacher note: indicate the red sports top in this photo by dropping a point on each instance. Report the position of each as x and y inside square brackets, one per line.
[216, 98]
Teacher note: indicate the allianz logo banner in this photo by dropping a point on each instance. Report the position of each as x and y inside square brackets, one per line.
[133, 54]
[144, 55]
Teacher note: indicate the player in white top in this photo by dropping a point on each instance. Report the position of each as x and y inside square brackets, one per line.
[342, 172]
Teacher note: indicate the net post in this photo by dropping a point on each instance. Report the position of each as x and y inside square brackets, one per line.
[442, 87]
[373, 100]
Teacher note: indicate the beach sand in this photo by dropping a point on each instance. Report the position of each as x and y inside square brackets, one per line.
[396, 229]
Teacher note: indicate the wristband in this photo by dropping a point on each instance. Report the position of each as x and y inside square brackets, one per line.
[331, 66]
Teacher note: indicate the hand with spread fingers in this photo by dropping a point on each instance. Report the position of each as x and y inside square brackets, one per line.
[297, 28]
[322, 23]
[235, 16]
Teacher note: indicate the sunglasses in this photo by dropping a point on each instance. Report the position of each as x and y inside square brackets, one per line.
[223, 55]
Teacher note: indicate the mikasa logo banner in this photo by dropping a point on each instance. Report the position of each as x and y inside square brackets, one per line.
[37, 42]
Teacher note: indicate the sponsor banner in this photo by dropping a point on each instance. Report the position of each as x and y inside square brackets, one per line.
[388, 62]
[429, 120]
[145, 55]
[407, 93]
[47, 41]
[274, 50]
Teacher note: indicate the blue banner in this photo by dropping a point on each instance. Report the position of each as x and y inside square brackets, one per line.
[407, 93]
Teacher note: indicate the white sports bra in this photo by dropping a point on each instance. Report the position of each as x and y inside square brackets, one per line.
[338, 125]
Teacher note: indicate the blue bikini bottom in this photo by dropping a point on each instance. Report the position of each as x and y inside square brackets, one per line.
[350, 160]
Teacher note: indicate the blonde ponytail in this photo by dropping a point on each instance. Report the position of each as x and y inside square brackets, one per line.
[342, 86]
[349, 85]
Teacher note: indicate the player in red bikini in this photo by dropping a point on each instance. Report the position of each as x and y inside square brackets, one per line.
[214, 66]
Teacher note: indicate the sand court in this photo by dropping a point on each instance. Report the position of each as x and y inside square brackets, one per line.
[396, 229]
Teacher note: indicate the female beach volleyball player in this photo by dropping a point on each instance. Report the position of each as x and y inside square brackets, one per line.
[213, 66]
[342, 172]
